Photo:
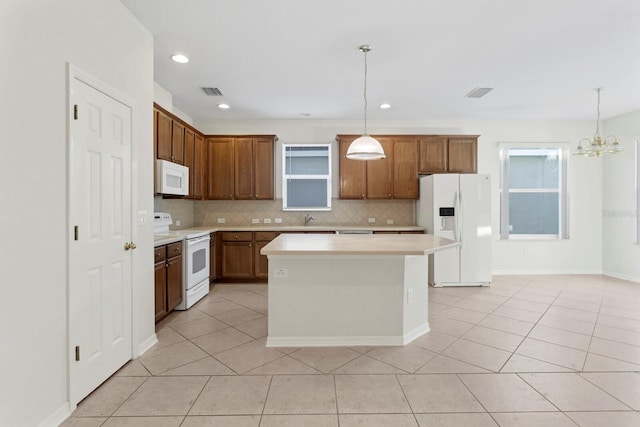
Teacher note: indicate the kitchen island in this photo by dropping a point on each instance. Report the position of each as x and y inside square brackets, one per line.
[349, 289]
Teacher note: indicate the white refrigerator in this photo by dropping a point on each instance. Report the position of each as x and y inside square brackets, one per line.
[458, 207]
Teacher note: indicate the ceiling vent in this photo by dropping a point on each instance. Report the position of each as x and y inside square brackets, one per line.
[479, 92]
[211, 91]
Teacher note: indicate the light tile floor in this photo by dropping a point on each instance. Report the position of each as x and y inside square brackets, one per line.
[526, 351]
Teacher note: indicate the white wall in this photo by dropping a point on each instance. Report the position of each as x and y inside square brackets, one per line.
[621, 252]
[37, 39]
[582, 253]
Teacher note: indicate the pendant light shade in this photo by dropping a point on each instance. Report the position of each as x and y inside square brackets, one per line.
[365, 147]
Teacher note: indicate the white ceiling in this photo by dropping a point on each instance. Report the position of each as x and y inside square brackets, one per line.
[276, 59]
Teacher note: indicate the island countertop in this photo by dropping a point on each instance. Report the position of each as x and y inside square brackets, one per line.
[356, 244]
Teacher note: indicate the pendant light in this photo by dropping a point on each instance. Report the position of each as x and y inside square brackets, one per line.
[365, 147]
[596, 146]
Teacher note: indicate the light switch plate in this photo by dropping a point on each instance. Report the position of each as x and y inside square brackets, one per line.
[267, 220]
[371, 220]
[255, 221]
[389, 222]
[278, 220]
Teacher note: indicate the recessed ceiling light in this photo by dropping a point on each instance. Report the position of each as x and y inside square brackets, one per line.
[385, 106]
[180, 58]
[223, 106]
[304, 115]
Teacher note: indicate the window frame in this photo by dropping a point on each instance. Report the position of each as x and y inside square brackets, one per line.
[562, 190]
[637, 146]
[286, 177]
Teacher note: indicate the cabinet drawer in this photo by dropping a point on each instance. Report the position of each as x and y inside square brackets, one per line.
[174, 249]
[238, 236]
[266, 236]
[160, 254]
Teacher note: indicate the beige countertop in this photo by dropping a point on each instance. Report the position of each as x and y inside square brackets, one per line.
[179, 234]
[356, 244]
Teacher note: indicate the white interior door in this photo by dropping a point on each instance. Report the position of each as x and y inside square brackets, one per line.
[99, 264]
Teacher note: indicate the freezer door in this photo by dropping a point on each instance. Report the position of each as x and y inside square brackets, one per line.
[475, 228]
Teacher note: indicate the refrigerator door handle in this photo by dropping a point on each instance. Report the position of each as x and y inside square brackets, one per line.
[460, 216]
[456, 223]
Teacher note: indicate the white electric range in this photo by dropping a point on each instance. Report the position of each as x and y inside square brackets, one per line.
[195, 267]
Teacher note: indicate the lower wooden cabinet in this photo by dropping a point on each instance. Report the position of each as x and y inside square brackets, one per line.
[168, 278]
[237, 255]
[240, 255]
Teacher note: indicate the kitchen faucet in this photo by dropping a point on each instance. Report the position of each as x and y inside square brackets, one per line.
[308, 218]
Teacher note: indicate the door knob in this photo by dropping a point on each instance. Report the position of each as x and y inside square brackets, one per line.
[133, 245]
[127, 246]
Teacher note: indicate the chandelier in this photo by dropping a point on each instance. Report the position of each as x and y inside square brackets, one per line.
[598, 145]
[365, 147]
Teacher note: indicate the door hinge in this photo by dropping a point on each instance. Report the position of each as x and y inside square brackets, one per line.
[77, 353]
[75, 112]
[75, 232]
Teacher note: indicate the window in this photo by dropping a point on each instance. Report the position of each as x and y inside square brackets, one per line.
[533, 193]
[306, 177]
[637, 191]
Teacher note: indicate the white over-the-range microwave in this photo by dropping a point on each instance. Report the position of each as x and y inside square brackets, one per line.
[172, 178]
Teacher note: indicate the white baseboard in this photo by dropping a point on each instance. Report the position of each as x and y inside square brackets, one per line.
[146, 345]
[417, 332]
[333, 341]
[349, 341]
[542, 272]
[57, 417]
[622, 276]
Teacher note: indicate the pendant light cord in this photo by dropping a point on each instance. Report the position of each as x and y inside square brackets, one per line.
[598, 119]
[365, 49]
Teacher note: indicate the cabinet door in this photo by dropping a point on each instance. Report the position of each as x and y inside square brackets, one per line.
[174, 282]
[237, 260]
[219, 168]
[160, 286]
[212, 257]
[263, 166]
[177, 144]
[405, 169]
[463, 155]
[243, 168]
[433, 155]
[352, 173]
[189, 158]
[199, 166]
[261, 261]
[380, 173]
[163, 136]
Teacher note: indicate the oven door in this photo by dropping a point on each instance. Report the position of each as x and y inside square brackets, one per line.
[197, 261]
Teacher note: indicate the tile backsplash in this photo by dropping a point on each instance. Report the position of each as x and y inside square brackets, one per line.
[242, 212]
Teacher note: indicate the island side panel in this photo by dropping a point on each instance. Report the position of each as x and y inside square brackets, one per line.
[416, 301]
[331, 300]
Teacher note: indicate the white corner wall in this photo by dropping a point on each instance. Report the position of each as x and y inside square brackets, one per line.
[38, 38]
[581, 253]
[621, 252]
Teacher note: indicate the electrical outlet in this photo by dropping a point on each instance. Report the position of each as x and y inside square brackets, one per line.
[371, 220]
[389, 222]
[178, 223]
[281, 273]
[221, 220]
[255, 221]
[409, 295]
[267, 220]
[278, 220]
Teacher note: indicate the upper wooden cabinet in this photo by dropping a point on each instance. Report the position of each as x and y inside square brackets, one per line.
[240, 168]
[395, 177]
[448, 154]
[194, 159]
[163, 127]
[177, 143]
[219, 168]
